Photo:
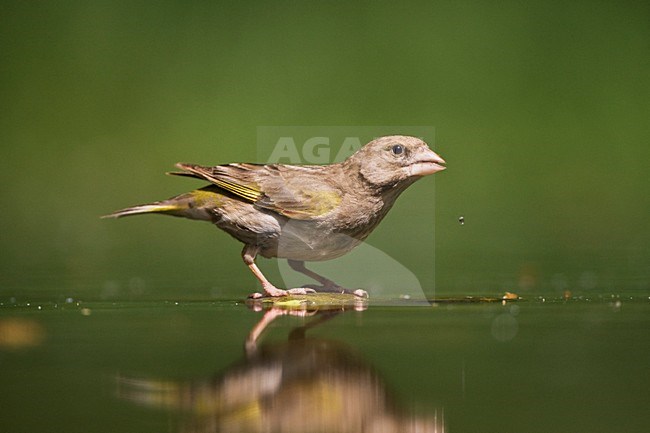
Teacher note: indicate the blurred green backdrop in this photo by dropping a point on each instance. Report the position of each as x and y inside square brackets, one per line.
[540, 109]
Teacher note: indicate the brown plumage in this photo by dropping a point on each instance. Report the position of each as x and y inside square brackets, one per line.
[301, 212]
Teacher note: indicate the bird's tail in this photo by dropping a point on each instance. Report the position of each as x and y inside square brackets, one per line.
[158, 207]
[195, 205]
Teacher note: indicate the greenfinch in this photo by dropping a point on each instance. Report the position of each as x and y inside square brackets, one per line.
[301, 212]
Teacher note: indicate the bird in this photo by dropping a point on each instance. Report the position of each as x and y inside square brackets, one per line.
[301, 213]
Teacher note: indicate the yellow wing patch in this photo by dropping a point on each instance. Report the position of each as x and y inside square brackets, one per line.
[250, 192]
[314, 203]
[243, 191]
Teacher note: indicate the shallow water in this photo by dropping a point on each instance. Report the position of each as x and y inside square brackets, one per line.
[526, 366]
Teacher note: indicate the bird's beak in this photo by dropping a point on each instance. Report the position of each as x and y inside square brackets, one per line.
[428, 162]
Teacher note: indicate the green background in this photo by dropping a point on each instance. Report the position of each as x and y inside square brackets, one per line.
[540, 109]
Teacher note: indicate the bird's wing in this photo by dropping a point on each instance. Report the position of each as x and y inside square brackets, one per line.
[224, 177]
[298, 192]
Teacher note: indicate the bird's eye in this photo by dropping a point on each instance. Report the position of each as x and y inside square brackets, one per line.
[397, 149]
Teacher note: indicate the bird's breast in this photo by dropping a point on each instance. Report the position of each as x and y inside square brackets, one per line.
[329, 237]
[309, 241]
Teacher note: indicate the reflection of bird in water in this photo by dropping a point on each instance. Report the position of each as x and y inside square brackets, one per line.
[302, 212]
[303, 385]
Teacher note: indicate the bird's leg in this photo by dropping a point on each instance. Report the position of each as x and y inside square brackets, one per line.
[329, 285]
[299, 266]
[248, 254]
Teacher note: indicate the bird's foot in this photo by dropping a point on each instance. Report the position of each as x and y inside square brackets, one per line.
[300, 291]
[275, 292]
[335, 288]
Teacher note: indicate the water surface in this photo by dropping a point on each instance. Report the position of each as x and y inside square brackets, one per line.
[527, 366]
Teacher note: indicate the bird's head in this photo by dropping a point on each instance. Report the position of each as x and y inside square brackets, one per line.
[397, 159]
